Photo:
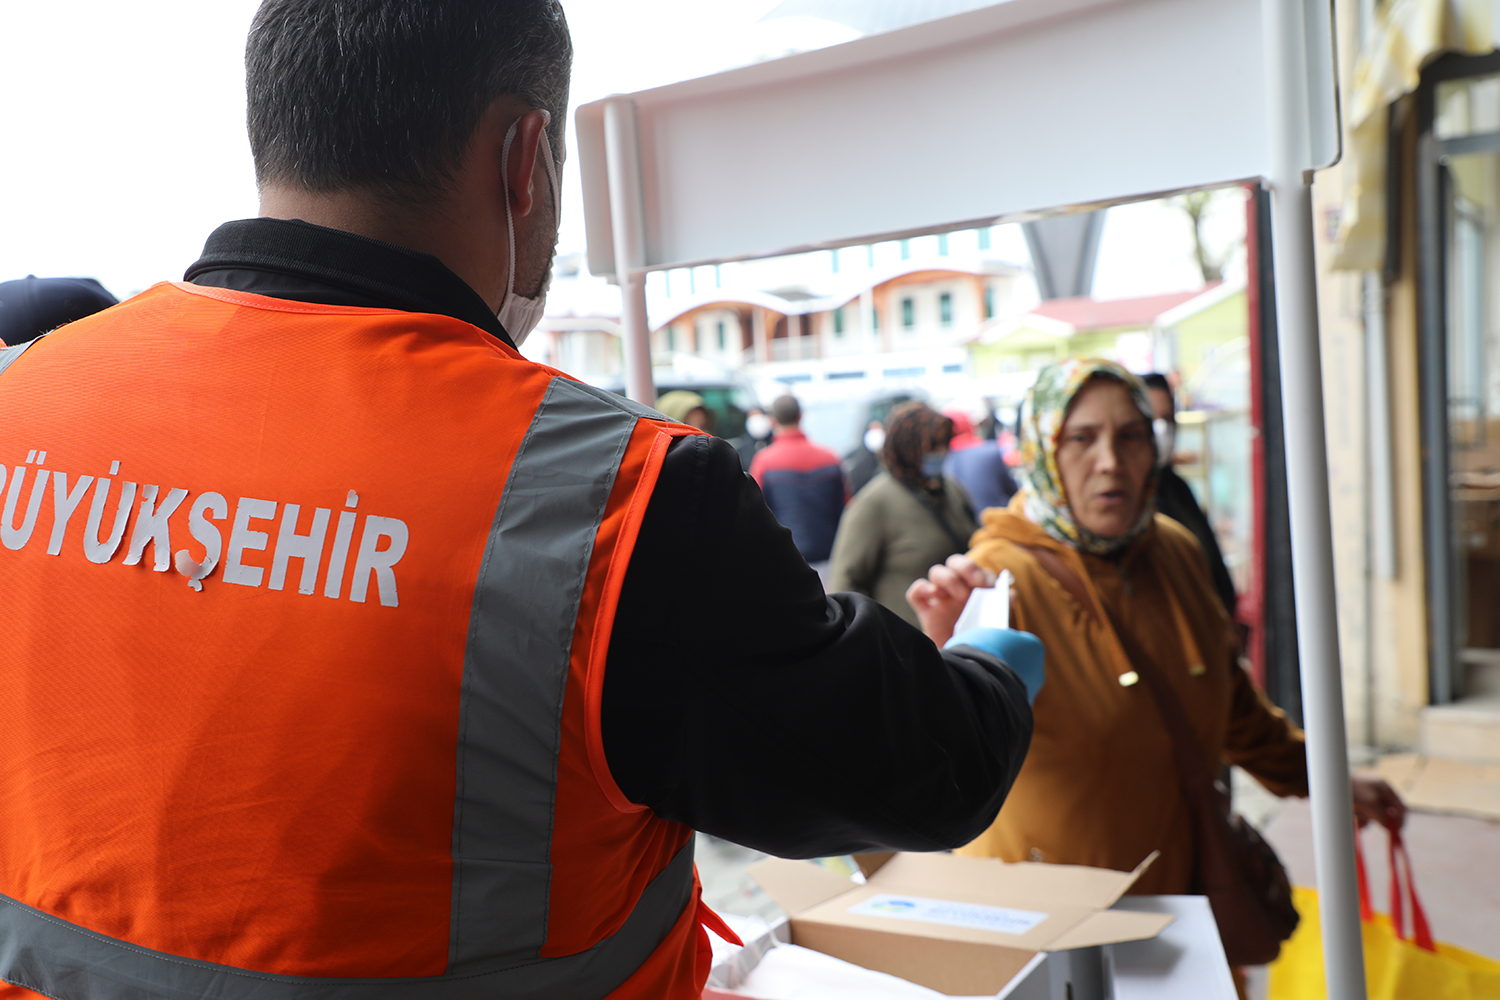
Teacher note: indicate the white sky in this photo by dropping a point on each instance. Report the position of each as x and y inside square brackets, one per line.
[125, 145]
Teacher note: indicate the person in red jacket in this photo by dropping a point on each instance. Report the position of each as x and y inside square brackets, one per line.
[803, 482]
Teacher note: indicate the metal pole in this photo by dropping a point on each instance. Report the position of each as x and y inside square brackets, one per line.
[628, 220]
[1307, 479]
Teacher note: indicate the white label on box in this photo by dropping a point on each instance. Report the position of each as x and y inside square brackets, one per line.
[1001, 919]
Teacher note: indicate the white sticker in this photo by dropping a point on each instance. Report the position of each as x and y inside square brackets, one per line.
[988, 607]
[1001, 919]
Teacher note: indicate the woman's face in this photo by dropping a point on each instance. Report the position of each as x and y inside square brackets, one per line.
[1105, 457]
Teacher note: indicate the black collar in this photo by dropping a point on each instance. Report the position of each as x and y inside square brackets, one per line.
[291, 259]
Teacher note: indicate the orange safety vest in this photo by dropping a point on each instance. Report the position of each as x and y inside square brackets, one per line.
[306, 611]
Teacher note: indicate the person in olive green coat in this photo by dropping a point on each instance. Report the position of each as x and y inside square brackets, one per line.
[907, 519]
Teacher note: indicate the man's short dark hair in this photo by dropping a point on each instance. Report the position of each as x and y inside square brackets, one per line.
[786, 411]
[386, 94]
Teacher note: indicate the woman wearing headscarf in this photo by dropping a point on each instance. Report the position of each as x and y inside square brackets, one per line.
[1104, 582]
[686, 408]
[905, 519]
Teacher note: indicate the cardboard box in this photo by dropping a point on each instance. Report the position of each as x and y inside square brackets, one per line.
[961, 926]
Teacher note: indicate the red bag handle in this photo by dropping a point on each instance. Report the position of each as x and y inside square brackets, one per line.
[1421, 930]
[1366, 911]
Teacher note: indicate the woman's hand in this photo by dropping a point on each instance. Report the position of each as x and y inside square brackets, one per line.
[940, 599]
[1378, 801]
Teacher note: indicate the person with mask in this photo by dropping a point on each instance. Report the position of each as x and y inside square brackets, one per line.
[1114, 590]
[862, 464]
[1174, 497]
[908, 518]
[757, 436]
[346, 649]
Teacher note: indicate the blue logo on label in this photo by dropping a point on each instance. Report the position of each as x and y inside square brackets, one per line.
[893, 905]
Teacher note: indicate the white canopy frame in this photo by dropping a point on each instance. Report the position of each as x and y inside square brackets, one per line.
[1005, 113]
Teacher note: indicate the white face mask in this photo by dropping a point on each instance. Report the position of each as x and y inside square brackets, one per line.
[874, 439]
[518, 314]
[758, 426]
[1166, 441]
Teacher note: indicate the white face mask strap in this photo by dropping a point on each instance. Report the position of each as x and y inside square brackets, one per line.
[510, 226]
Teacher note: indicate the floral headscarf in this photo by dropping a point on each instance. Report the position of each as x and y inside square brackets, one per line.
[1042, 416]
[911, 432]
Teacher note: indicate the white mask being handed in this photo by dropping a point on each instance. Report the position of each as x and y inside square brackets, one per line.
[1166, 440]
[517, 313]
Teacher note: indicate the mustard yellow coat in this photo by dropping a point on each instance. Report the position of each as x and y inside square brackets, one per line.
[1099, 786]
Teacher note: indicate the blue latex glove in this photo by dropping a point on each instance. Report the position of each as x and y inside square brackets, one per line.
[1021, 651]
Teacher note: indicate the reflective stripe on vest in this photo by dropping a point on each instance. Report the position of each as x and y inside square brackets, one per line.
[510, 721]
[9, 354]
[59, 959]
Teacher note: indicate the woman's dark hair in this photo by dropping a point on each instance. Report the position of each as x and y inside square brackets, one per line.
[386, 94]
[911, 431]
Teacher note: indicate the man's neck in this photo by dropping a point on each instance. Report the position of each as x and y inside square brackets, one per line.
[363, 214]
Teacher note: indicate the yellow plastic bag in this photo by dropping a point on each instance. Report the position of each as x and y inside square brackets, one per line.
[1396, 967]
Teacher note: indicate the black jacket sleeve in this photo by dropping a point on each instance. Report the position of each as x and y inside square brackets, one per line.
[741, 700]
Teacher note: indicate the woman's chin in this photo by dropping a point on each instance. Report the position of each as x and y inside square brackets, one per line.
[1109, 526]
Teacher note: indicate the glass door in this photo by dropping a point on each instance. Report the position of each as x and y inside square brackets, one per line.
[1461, 377]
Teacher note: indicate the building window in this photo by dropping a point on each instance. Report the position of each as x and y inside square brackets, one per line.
[984, 238]
[989, 300]
[718, 277]
[870, 255]
[874, 318]
[945, 308]
[722, 342]
[833, 258]
[906, 249]
[838, 322]
[692, 280]
[671, 338]
[942, 244]
[908, 312]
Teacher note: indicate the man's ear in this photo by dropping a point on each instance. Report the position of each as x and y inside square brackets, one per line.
[522, 165]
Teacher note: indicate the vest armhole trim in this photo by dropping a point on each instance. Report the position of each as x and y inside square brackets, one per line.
[613, 581]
